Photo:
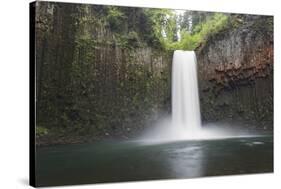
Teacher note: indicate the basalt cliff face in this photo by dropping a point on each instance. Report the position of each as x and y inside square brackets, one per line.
[96, 79]
[235, 70]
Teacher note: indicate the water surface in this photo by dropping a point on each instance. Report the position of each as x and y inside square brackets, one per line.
[132, 161]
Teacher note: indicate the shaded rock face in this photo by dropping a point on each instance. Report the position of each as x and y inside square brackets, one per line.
[93, 82]
[128, 89]
[235, 70]
[133, 88]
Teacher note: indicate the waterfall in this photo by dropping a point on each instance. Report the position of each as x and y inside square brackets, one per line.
[186, 118]
[185, 99]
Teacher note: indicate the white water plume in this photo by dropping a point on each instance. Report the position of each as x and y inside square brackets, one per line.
[185, 122]
[185, 99]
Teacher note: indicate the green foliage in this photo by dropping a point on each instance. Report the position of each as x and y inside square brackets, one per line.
[133, 38]
[212, 26]
[115, 17]
[129, 41]
[188, 41]
[41, 131]
[166, 24]
[200, 34]
[162, 23]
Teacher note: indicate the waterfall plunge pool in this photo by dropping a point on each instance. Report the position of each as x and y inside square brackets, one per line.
[133, 161]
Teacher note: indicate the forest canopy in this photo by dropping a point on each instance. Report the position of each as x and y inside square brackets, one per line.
[169, 29]
[177, 29]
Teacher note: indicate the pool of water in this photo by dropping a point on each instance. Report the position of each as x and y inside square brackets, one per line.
[133, 161]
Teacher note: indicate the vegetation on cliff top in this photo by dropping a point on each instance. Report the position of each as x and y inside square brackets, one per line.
[158, 28]
[199, 32]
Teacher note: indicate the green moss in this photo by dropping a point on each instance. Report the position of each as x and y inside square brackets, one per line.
[41, 131]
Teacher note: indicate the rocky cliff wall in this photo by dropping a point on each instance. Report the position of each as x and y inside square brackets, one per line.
[94, 81]
[235, 70]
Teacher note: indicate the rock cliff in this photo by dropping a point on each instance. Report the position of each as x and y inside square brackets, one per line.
[235, 70]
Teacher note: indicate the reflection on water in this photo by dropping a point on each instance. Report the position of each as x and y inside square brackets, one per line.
[131, 161]
[186, 162]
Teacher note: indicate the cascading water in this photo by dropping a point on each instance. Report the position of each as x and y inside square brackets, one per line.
[185, 99]
[186, 118]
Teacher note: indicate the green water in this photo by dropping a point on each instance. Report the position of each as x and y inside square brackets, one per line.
[132, 161]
